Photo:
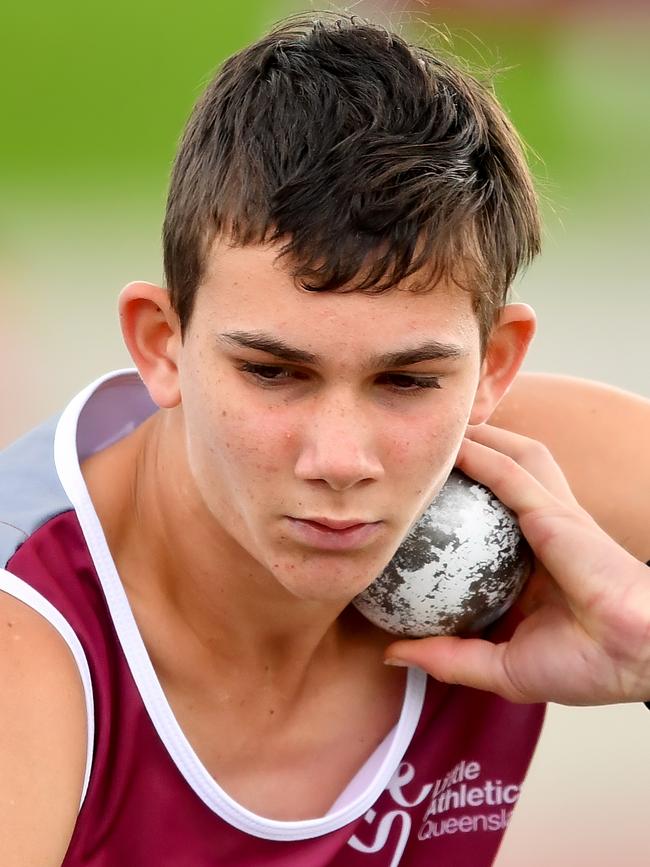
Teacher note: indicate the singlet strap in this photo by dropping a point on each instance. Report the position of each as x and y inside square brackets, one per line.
[647, 703]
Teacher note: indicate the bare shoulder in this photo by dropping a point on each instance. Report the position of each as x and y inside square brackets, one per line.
[600, 436]
[42, 738]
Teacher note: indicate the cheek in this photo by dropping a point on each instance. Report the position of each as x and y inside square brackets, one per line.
[229, 448]
[241, 452]
[425, 452]
[239, 447]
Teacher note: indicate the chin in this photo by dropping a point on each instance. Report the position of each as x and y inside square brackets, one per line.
[324, 583]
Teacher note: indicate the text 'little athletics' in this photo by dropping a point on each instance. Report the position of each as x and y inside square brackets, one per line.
[455, 791]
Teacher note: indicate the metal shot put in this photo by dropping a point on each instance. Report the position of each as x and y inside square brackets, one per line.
[462, 565]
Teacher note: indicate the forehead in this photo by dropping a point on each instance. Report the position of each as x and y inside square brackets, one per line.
[251, 288]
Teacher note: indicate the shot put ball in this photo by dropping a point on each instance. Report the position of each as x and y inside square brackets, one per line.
[462, 565]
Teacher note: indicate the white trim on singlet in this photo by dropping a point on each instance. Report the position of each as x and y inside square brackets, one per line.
[22, 591]
[150, 689]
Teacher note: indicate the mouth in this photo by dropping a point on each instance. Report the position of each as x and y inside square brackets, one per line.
[333, 535]
[331, 524]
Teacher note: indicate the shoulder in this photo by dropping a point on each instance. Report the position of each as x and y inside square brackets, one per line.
[600, 436]
[44, 732]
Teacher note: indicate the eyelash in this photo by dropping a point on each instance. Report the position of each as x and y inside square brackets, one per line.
[258, 371]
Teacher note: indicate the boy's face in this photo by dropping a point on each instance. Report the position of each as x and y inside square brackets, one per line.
[295, 414]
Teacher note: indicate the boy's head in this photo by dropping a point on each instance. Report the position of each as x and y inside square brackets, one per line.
[331, 156]
[367, 159]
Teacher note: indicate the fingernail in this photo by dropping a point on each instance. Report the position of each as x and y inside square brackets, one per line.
[398, 663]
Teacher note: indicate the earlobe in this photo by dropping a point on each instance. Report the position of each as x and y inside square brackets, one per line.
[151, 332]
[505, 352]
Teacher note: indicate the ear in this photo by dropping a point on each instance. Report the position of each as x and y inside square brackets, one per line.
[506, 349]
[151, 331]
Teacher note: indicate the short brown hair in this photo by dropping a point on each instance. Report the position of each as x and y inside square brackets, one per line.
[370, 159]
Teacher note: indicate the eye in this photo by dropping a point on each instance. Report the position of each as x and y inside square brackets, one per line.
[407, 383]
[270, 374]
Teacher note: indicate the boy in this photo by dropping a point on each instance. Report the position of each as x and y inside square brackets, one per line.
[345, 217]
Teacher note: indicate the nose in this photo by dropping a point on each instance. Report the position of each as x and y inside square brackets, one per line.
[339, 446]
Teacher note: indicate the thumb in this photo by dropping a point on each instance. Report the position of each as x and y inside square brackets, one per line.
[471, 662]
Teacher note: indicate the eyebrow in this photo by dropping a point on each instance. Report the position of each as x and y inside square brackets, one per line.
[431, 350]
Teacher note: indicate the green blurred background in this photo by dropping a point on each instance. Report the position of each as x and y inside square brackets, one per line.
[95, 97]
[94, 100]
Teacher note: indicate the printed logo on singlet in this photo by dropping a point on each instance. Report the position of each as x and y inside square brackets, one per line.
[446, 808]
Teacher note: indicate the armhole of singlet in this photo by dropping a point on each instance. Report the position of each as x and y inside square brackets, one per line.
[22, 591]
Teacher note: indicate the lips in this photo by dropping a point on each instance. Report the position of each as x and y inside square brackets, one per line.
[336, 525]
[326, 534]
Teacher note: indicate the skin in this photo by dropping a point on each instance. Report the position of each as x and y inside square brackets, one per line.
[598, 435]
[42, 739]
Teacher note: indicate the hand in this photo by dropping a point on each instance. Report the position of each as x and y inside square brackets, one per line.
[585, 636]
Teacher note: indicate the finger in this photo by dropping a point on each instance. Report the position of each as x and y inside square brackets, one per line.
[528, 453]
[579, 556]
[471, 662]
[515, 486]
